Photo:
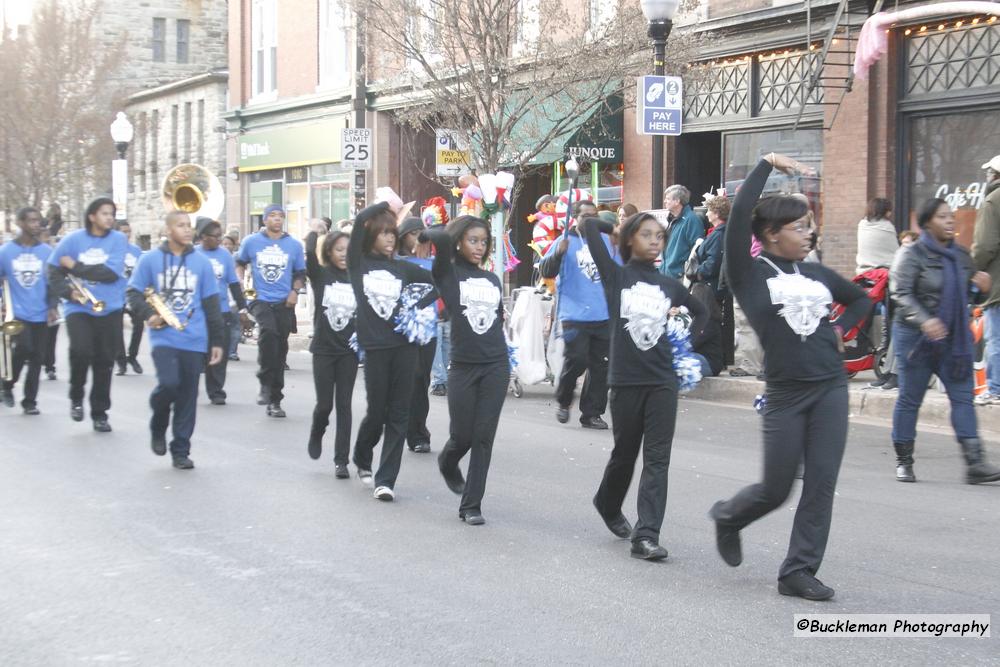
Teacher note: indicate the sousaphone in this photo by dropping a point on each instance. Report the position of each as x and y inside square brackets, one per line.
[193, 189]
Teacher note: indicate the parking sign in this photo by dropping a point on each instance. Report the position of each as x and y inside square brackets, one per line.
[660, 107]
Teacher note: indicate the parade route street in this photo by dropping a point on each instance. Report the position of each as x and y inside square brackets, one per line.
[260, 556]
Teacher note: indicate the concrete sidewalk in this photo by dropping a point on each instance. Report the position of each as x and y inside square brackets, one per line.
[866, 402]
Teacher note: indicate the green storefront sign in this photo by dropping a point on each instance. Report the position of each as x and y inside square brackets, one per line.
[296, 146]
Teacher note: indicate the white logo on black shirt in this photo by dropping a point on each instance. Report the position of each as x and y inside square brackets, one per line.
[179, 297]
[585, 261]
[27, 269]
[382, 289]
[804, 302]
[339, 305]
[479, 300]
[645, 307]
[271, 263]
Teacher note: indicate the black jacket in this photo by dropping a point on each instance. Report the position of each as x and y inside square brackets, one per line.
[916, 280]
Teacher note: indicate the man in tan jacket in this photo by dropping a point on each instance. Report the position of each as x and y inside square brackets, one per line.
[986, 255]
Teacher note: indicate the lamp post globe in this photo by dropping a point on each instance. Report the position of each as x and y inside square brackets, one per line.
[659, 10]
[122, 133]
[572, 170]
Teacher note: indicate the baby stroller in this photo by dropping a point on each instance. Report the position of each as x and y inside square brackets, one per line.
[866, 345]
[529, 323]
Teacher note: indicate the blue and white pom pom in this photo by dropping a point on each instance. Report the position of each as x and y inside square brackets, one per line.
[356, 346]
[419, 325]
[686, 367]
[512, 356]
[760, 403]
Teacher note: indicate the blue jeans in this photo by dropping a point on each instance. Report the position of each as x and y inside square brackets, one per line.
[993, 349]
[235, 332]
[914, 376]
[178, 373]
[439, 373]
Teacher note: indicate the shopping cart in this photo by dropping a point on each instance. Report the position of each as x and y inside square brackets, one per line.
[529, 321]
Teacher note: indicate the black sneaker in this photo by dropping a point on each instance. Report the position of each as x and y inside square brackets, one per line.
[646, 549]
[158, 443]
[878, 382]
[804, 585]
[891, 382]
[341, 471]
[315, 446]
[472, 518]
[234, 357]
[452, 476]
[727, 540]
[439, 390]
[134, 363]
[274, 410]
[101, 425]
[51, 375]
[76, 412]
[217, 400]
[595, 423]
[31, 410]
[120, 368]
[619, 525]
[421, 448]
[183, 463]
[562, 414]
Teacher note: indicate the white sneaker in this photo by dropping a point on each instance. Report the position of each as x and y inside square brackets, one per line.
[985, 398]
[365, 476]
[384, 493]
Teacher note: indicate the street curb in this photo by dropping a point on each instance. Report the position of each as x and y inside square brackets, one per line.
[867, 403]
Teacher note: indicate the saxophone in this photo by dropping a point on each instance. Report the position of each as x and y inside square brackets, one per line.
[156, 302]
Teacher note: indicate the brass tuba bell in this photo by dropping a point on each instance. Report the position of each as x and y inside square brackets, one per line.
[193, 189]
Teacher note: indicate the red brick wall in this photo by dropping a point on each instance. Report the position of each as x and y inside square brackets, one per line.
[298, 47]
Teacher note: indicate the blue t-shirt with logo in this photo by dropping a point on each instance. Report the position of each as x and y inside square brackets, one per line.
[109, 250]
[182, 283]
[23, 267]
[581, 294]
[273, 264]
[132, 255]
[224, 268]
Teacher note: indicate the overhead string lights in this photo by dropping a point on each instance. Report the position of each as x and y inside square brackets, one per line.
[961, 24]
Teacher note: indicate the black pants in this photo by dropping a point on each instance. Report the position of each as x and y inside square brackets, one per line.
[420, 404]
[802, 420]
[50, 349]
[133, 343]
[275, 320]
[93, 343]
[177, 374]
[586, 350]
[476, 393]
[29, 348]
[334, 377]
[215, 376]
[641, 418]
[389, 385]
[728, 330]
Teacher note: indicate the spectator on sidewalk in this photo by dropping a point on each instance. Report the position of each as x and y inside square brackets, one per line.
[986, 256]
[877, 242]
[685, 229]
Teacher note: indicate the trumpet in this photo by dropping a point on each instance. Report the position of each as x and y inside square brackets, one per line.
[248, 289]
[85, 295]
[157, 303]
[8, 330]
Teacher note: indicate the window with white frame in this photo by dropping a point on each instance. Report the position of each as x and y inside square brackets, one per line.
[600, 14]
[422, 31]
[527, 27]
[334, 44]
[264, 48]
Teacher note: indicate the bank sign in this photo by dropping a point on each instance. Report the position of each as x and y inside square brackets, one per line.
[294, 146]
[660, 105]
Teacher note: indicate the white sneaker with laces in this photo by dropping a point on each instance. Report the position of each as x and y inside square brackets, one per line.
[986, 398]
[384, 493]
[365, 476]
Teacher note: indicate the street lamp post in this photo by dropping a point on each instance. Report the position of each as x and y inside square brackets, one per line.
[660, 15]
[121, 134]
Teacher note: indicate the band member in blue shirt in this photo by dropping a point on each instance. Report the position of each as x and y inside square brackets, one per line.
[22, 266]
[186, 283]
[132, 255]
[278, 266]
[209, 233]
[95, 256]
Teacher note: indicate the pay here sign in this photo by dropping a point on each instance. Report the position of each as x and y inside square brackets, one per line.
[660, 105]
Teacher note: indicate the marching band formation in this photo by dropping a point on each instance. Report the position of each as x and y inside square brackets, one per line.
[377, 292]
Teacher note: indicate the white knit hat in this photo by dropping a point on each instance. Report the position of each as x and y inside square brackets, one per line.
[993, 164]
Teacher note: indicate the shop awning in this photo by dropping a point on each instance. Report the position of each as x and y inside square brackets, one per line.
[596, 134]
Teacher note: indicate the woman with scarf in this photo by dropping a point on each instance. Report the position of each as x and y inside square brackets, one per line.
[932, 283]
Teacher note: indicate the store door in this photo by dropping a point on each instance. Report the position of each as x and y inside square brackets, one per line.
[699, 163]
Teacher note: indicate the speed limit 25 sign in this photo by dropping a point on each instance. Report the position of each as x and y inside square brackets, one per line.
[356, 148]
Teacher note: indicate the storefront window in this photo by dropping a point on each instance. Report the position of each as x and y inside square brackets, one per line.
[742, 151]
[946, 157]
[330, 191]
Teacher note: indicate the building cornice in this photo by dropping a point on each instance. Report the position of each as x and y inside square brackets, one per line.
[213, 76]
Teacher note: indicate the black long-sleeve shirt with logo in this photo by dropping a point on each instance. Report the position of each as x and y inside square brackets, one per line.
[639, 302]
[788, 303]
[333, 320]
[474, 299]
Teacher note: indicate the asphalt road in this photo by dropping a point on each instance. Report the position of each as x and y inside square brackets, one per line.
[261, 557]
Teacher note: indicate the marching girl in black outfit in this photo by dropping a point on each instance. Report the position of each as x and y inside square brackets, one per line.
[378, 280]
[640, 374]
[335, 362]
[788, 303]
[480, 364]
